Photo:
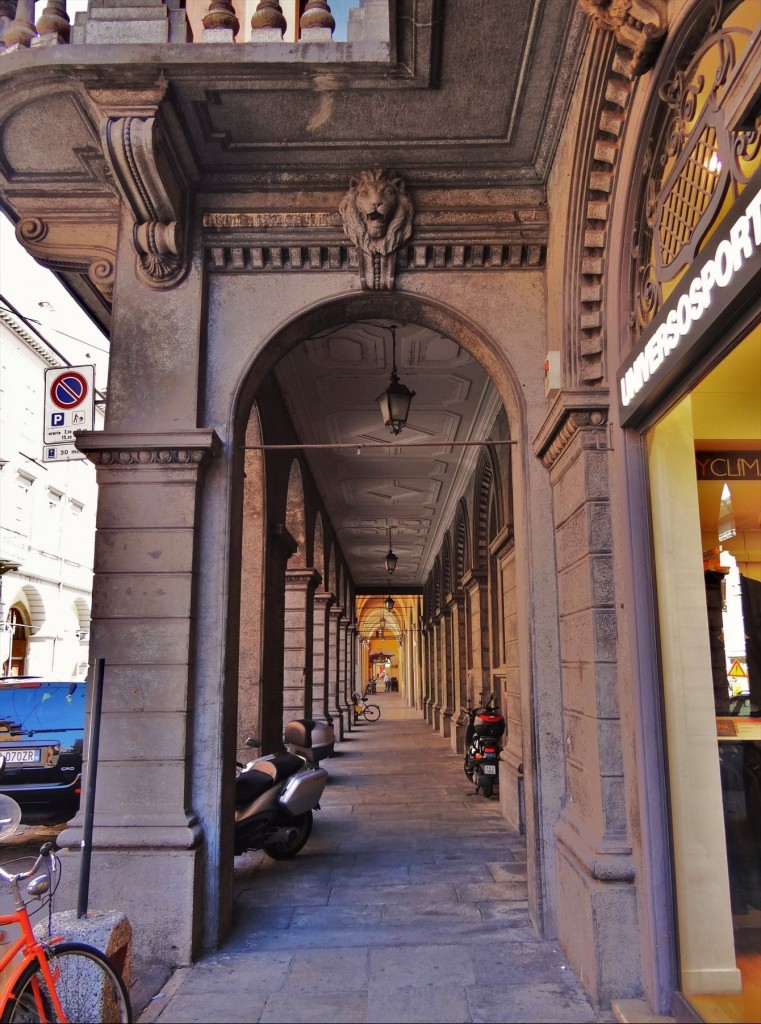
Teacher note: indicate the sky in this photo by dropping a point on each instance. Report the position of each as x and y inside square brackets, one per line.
[41, 299]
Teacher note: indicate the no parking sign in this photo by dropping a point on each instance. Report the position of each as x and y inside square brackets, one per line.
[69, 406]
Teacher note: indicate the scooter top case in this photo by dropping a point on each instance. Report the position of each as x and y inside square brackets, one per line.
[314, 740]
[489, 723]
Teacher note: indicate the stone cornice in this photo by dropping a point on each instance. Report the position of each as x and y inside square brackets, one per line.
[175, 450]
[574, 411]
[639, 26]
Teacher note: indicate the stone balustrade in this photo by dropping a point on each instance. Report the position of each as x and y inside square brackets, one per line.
[183, 21]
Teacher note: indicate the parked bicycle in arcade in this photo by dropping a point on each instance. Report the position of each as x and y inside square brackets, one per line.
[363, 709]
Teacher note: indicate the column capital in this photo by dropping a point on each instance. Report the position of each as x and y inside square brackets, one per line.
[175, 450]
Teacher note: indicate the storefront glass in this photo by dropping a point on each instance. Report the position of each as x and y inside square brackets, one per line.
[704, 459]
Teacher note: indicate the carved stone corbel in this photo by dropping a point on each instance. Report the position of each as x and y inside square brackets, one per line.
[150, 176]
[377, 217]
[64, 240]
[640, 26]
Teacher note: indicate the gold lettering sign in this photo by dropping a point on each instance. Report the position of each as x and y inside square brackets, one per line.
[728, 465]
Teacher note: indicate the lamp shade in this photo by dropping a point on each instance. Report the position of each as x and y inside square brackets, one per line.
[395, 405]
[389, 602]
[391, 560]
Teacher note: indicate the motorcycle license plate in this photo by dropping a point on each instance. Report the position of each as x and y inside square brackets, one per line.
[490, 769]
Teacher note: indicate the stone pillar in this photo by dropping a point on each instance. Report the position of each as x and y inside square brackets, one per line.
[344, 697]
[7, 14]
[429, 698]
[268, 23]
[478, 675]
[122, 21]
[279, 549]
[595, 867]
[143, 624]
[435, 662]
[298, 638]
[447, 685]
[339, 724]
[320, 657]
[459, 671]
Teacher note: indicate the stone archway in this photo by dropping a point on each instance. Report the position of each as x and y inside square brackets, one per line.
[534, 634]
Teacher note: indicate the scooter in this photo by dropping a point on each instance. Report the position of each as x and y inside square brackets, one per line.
[275, 796]
[485, 726]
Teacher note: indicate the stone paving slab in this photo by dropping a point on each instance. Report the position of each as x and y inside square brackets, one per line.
[407, 904]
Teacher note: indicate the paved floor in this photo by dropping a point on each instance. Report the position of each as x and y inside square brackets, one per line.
[408, 903]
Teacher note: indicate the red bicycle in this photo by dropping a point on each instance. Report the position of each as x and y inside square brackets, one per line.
[50, 981]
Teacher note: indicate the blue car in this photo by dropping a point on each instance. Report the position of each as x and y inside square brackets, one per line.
[42, 724]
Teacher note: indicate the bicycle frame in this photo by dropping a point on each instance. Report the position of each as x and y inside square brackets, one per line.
[34, 951]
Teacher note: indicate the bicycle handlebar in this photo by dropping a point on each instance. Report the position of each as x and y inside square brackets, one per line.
[46, 852]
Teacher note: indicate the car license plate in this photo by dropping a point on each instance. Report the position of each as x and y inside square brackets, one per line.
[22, 756]
[490, 769]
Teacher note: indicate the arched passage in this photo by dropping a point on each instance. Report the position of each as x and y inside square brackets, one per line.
[345, 331]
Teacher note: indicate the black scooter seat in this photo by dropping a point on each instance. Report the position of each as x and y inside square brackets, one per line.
[250, 784]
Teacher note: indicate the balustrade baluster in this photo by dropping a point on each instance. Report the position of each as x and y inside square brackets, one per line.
[53, 25]
[220, 25]
[7, 14]
[268, 22]
[317, 23]
[21, 30]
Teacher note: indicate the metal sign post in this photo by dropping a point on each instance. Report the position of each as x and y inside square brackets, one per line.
[92, 772]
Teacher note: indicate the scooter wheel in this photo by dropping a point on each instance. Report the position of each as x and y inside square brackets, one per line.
[302, 826]
[487, 785]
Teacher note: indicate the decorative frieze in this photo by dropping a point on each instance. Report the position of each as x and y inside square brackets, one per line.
[184, 449]
[308, 257]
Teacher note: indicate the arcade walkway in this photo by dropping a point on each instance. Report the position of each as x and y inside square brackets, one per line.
[408, 903]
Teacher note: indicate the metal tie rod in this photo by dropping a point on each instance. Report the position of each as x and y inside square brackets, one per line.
[376, 444]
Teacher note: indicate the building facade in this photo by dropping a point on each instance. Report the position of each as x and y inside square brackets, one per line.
[47, 521]
[564, 267]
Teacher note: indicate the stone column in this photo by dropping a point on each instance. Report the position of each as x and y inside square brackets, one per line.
[447, 686]
[298, 639]
[429, 698]
[279, 549]
[21, 30]
[459, 671]
[144, 621]
[320, 657]
[593, 852]
[339, 724]
[344, 697]
[479, 683]
[435, 663]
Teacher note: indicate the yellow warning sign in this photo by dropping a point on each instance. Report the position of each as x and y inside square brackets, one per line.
[737, 670]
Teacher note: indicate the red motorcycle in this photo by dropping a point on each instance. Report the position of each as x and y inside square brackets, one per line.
[485, 728]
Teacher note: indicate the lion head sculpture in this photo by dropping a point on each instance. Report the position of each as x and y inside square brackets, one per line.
[377, 213]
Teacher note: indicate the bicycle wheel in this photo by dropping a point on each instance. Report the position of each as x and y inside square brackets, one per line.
[89, 987]
[372, 712]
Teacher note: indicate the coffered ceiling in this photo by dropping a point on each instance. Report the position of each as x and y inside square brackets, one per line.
[411, 485]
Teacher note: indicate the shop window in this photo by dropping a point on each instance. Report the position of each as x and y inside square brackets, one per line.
[705, 479]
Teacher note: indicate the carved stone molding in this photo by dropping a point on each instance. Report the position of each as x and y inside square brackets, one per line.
[184, 449]
[377, 217]
[73, 241]
[308, 256]
[148, 172]
[639, 26]
[580, 416]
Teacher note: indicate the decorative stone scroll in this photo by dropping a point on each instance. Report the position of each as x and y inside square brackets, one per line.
[149, 175]
[377, 217]
[64, 239]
